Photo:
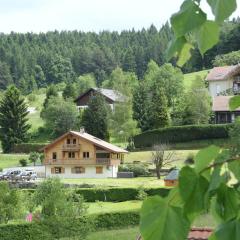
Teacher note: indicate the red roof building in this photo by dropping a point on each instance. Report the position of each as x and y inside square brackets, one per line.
[200, 233]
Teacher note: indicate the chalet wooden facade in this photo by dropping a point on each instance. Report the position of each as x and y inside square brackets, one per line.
[81, 155]
[111, 97]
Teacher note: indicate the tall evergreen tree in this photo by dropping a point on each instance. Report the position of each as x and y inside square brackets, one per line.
[5, 76]
[95, 117]
[13, 119]
[141, 107]
[159, 115]
[69, 91]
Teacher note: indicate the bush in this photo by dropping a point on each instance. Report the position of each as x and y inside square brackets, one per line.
[46, 230]
[28, 147]
[118, 194]
[32, 98]
[181, 134]
[139, 169]
[23, 162]
[1, 169]
[190, 159]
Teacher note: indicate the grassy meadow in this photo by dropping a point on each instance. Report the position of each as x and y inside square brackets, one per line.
[190, 77]
[11, 160]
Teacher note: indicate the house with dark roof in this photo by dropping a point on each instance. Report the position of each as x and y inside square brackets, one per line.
[111, 97]
[224, 80]
[81, 155]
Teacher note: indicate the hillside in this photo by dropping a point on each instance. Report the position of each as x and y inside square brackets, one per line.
[190, 77]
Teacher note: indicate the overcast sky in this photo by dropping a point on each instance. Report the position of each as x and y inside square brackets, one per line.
[85, 15]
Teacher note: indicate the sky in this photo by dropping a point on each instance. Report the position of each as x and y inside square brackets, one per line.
[86, 15]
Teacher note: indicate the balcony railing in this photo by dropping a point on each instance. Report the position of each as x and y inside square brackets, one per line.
[68, 147]
[103, 160]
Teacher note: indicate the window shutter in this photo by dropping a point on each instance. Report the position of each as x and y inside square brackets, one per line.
[52, 170]
[63, 170]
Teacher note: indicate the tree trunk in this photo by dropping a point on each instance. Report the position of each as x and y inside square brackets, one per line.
[158, 171]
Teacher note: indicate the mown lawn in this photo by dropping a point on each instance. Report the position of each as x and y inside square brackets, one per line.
[190, 77]
[120, 234]
[11, 160]
[179, 156]
[106, 207]
[118, 182]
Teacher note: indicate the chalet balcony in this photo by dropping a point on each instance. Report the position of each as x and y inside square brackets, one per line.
[71, 147]
[104, 161]
[70, 162]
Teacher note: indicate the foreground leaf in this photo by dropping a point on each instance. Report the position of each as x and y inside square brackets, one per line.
[193, 188]
[207, 36]
[158, 217]
[234, 103]
[188, 18]
[222, 9]
[205, 156]
[235, 168]
[227, 231]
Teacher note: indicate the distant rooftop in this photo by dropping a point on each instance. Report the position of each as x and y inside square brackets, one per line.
[200, 233]
[173, 175]
[221, 73]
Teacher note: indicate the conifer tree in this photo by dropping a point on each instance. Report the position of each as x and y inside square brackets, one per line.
[51, 92]
[13, 119]
[159, 115]
[69, 91]
[95, 117]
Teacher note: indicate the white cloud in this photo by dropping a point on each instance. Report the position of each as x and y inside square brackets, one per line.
[86, 15]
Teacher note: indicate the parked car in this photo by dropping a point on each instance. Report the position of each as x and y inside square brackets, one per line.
[2, 175]
[11, 175]
[27, 175]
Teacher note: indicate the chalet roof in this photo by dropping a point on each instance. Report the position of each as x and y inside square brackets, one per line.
[90, 138]
[222, 73]
[111, 94]
[173, 175]
[221, 104]
[200, 233]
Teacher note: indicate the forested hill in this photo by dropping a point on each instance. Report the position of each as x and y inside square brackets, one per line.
[36, 60]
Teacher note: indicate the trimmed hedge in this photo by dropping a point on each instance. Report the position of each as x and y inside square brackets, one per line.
[69, 228]
[117, 194]
[28, 147]
[181, 134]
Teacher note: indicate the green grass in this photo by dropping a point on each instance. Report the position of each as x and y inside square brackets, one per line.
[190, 77]
[120, 234]
[106, 207]
[179, 156]
[118, 182]
[11, 160]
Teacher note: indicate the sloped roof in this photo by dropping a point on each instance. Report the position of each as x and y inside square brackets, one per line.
[222, 73]
[111, 94]
[96, 141]
[221, 103]
[200, 233]
[173, 175]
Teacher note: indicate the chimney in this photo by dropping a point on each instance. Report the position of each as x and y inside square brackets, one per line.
[82, 130]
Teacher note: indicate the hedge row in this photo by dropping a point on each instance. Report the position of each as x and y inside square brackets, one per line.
[117, 194]
[68, 228]
[181, 134]
[114, 194]
[28, 147]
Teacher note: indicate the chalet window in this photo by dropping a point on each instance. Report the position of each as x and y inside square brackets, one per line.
[79, 170]
[71, 154]
[68, 141]
[54, 155]
[118, 156]
[99, 170]
[74, 141]
[58, 170]
[85, 154]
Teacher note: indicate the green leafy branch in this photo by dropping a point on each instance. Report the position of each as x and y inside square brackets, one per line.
[191, 20]
[204, 188]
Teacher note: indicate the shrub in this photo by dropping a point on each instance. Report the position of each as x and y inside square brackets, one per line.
[1, 169]
[28, 147]
[190, 159]
[139, 169]
[181, 134]
[23, 162]
[141, 194]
